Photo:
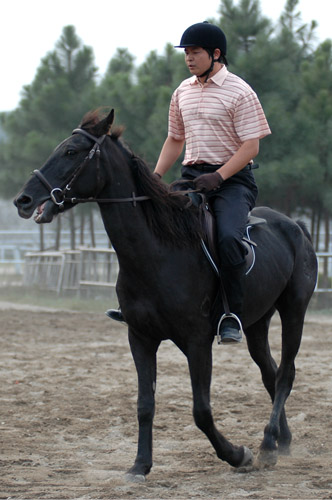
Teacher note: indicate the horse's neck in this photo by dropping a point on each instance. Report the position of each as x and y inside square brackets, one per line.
[128, 231]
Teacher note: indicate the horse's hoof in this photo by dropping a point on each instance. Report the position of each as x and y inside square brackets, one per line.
[267, 458]
[284, 450]
[247, 462]
[135, 478]
[248, 458]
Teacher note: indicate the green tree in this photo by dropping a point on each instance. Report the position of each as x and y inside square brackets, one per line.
[315, 123]
[274, 67]
[116, 91]
[50, 105]
[157, 79]
[243, 25]
[55, 100]
[141, 96]
[292, 80]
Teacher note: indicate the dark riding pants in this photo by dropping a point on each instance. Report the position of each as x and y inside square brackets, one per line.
[230, 204]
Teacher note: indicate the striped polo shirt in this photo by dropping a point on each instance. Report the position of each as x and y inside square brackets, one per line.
[215, 118]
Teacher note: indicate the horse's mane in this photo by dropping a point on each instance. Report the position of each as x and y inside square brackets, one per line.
[170, 215]
[167, 215]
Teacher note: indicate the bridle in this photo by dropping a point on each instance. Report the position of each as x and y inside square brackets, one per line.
[59, 194]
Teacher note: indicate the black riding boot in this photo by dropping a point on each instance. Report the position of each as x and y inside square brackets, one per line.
[115, 314]
[230, 328]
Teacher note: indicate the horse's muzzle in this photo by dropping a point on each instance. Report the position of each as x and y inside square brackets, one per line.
[25, 205]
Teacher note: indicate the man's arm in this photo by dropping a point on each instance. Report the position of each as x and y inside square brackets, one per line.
[247, 151]
[170, 152]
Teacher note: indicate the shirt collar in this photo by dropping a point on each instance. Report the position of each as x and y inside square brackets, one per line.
[218, 78]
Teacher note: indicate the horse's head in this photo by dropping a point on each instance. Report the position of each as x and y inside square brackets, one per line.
[55, 186]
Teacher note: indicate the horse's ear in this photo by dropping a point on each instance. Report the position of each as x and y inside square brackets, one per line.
[110, 120]
[104, 126]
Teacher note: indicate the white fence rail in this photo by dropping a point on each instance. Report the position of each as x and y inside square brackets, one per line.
[324, 281]
[71, 270]
[88, 269]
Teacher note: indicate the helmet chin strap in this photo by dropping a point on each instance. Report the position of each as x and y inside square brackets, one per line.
[208, 71]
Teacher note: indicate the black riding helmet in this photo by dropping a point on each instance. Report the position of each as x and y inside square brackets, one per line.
[209, 37]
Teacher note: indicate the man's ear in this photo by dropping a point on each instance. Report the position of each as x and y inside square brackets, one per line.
[216, 54]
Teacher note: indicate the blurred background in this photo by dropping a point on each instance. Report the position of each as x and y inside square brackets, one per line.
[286, 59]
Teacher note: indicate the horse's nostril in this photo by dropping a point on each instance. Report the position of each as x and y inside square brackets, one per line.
[23, 201]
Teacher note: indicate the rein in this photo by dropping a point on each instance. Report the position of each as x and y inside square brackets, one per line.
[58, 194]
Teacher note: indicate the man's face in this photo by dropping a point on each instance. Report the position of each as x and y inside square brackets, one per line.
[197, 59]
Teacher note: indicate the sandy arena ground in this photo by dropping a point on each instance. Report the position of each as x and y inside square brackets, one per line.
[68, 415]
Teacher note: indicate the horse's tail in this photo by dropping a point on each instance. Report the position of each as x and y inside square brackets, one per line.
[304, 229]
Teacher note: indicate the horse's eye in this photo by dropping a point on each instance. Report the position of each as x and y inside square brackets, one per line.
[70, 152]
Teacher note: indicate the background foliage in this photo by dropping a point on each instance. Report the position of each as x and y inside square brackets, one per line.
[291, 75]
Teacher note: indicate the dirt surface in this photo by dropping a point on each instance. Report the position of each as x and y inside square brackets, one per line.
[68, 415]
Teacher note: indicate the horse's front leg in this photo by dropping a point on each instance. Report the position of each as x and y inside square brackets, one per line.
[200, 366]
[144, 354]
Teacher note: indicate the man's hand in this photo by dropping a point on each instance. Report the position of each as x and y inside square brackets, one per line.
[208, 182]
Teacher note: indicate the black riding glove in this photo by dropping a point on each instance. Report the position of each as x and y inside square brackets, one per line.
[208, 182]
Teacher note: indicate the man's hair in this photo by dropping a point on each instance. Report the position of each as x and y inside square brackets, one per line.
[221, 59]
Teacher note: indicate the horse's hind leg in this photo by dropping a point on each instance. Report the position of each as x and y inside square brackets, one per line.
[144, 354]
[292, 319]
[200, 366]
[259, 349]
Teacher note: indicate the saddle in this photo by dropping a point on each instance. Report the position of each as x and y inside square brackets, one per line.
[209, 239]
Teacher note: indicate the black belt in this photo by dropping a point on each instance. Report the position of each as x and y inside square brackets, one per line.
[251, 166]
[207, 167]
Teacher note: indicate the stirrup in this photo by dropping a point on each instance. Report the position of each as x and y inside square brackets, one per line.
[225, 316]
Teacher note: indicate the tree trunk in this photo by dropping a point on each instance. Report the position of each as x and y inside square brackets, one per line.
[41, 238]
[312, 223]
[72, 230]
[58, 234]
[318, 221]
[92, 229]
[82, 229]
[326, 249]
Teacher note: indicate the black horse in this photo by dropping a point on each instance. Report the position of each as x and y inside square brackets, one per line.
[166, 287]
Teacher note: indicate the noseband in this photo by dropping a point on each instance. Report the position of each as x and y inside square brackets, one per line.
[58, 194]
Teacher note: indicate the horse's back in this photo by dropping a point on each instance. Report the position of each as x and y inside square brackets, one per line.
[272, 216]
[283, 228]
[285, 261]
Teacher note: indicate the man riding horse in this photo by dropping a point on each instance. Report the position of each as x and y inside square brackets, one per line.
[220, 120]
